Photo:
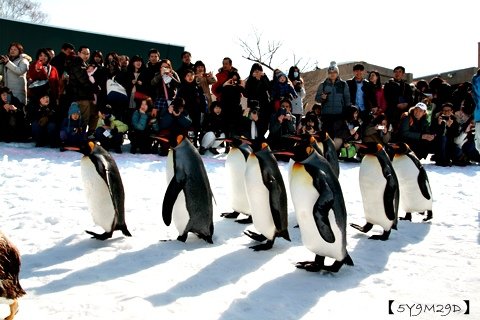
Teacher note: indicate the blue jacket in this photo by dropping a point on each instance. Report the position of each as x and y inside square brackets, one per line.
[476, 96]
[338, 99]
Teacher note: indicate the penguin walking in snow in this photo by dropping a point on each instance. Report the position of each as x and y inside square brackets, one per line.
[188, 198]
[104, 190]
[415, 191]
[235, 165]
[320, 209]
[267, 197]
[379, 189]
[10, 288]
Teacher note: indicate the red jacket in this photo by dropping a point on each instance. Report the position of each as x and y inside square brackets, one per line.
[43, 74]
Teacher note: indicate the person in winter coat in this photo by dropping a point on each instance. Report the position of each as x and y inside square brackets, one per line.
[71, 132]
[213, 129]
[476, 113]
[334, 95]
[109, 131]
[143, 125]
[174, 121]
[282, 89]
[12, 117]
[257, 88]
[204, 79]
[43, 78]
[296, 79]
[282, 124]
[14, 67]
[44, 122]
[414, 130]
[195, 101]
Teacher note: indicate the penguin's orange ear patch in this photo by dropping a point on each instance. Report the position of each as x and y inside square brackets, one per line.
[180, 139]
[264, 145]
[91, 145]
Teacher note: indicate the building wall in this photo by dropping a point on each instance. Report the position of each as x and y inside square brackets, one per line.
[34, 36]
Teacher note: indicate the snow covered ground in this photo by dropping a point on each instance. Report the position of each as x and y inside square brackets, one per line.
[68, 275]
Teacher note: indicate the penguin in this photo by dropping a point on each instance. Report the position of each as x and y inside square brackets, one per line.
[188, 198]
[415, 191]
[235, 165]
[320, 209]
[10, 288]
[267, 197]
[104, 190]
[379, 189]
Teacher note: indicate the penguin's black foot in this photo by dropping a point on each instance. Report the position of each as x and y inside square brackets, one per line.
[103, 236]
[230, 215]
[429, 216]
[312, 266]
[255, 236]
[263, 247]
[245, 221]
[367, 227]
[384, 236]
[182, 237]
[207, 238]
[408, 217]
[297, 226]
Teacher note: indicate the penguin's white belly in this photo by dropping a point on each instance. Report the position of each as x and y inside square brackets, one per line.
[235, 166]
[180, 215]
[304, 195]
[98, 196]
[411, 197]
[372, 188]
[259, 200]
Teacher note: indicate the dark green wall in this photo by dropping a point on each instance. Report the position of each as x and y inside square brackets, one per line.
[34, 36]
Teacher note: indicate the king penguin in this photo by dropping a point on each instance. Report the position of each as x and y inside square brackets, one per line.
[10, 288]
[104, 190]
[267, 197]
[188, 198]
[379, 189]
[235, 165]
[320, 209]
[415, 192]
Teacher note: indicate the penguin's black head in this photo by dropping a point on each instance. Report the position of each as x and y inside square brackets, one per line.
[86, 148]
[238, 141]
[368, 147]
[304, 148]
[399, 148]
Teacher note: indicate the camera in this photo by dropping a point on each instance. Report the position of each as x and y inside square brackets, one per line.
[381, 127]
[445, 117]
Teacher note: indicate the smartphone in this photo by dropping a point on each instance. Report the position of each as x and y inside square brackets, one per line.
[381, 127]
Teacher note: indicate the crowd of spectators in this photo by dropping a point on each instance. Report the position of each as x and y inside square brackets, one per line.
[60, 100]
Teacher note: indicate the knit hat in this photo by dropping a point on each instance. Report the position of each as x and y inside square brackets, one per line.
[333, 67]
[74, 108]
[280, 74]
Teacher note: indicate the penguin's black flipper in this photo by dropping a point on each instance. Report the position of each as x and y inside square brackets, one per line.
[171, 195]
[264, 246]
[103, 236]
[323, 205]
[391, 194]
[422, 178]
[384, 236]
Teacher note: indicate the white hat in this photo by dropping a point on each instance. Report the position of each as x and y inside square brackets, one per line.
[333, 67]
[421, 105]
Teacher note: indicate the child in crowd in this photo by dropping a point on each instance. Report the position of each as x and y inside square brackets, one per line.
[213, 129]
[354, 124]
[71, 132]
[282, 89]
[309, 124]
[44, 122]
[143, 125]
[109, 131]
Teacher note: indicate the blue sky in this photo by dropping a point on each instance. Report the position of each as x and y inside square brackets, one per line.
[426, 37]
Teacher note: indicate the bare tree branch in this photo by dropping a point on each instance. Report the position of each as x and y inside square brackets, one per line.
[22, 10]
[258, 53]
